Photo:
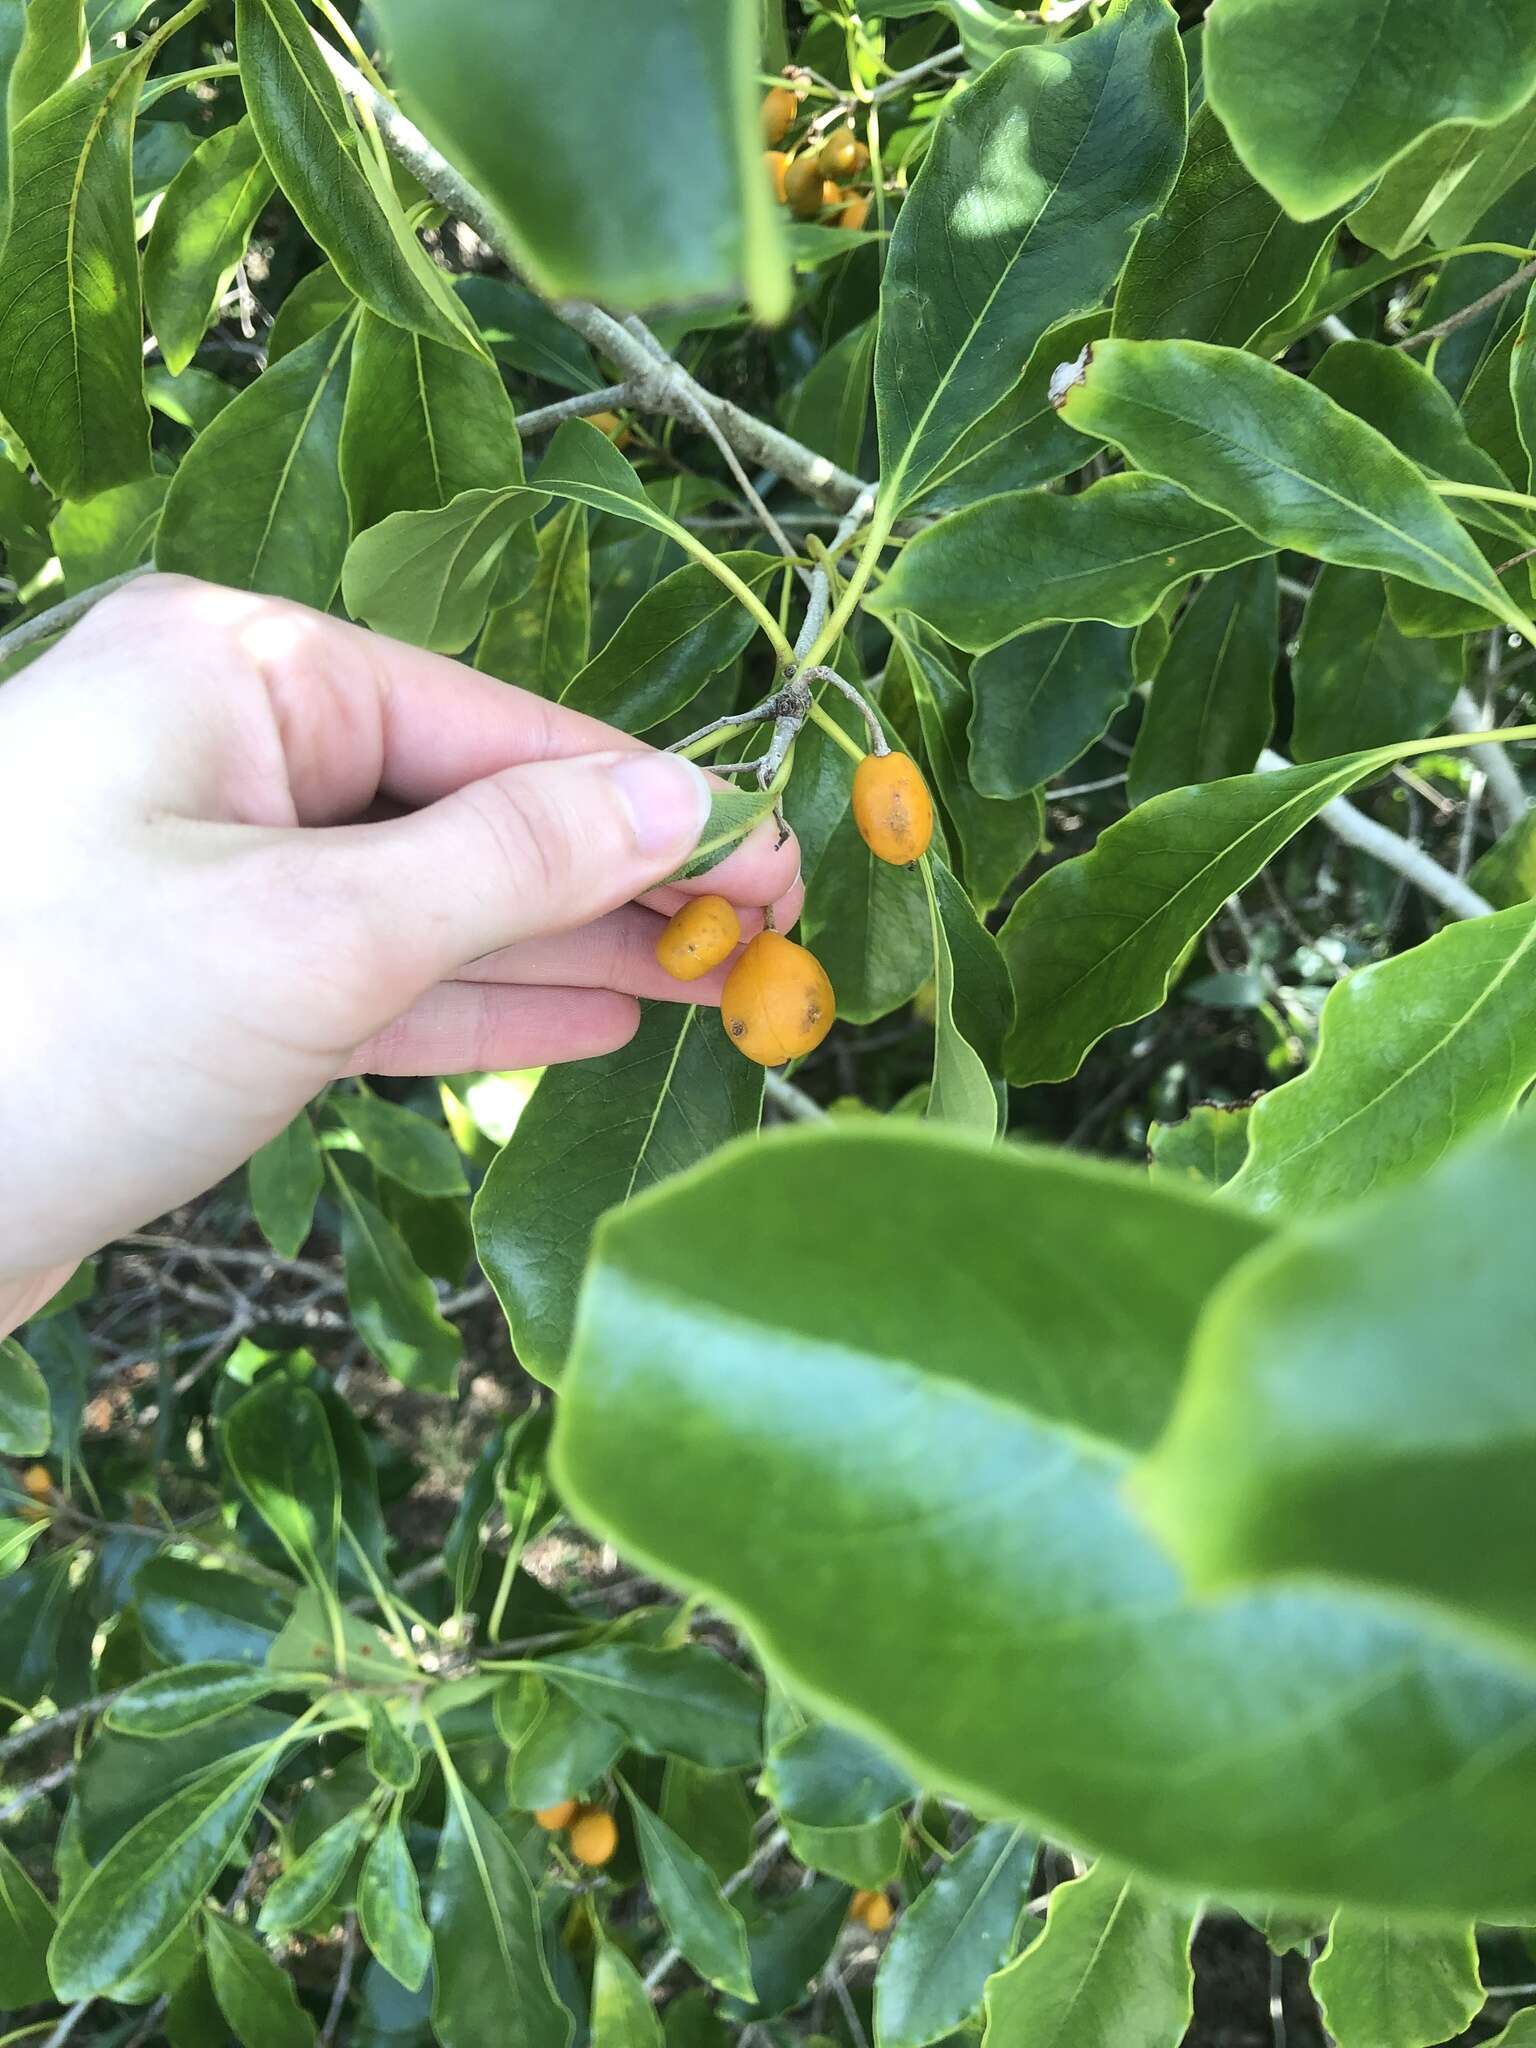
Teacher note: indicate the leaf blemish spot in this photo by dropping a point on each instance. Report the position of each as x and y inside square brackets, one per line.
[1067, 376]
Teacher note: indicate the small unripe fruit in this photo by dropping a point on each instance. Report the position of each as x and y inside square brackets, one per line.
[777, 1003]
[553, 1818]
[803, 185]
[842, 155]
[777, 161]
[856, 212]
[701, 935]
[892, 808]
[594, 1836]
[778, 113]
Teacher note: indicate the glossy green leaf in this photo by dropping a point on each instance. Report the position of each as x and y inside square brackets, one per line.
[1032, 188]
[595, 1134]
[402, 1145]
[26, 1424]
[962, 1094]
[632, 224]
[622, 2013]
[312, 1879]
[425, 421]
[1415, 1052]
[392, 1757]
[101, 537]
[686, 1702]
[256, 1997]
[951, 1939]
[1398, 1474]
[393, 1303]
[1112, 552]
[682, 631]
[1506, 873]
[1041, 700]
[1279, 456]
[868, 1856]
[1207, 1148]
[1380, 1984]
[702, 1922]
[192, 400]
[1221, 259]
[1319, 97]
[1442, 186]
[276, 1444]
[1522, 394]
[540, 640]
[559, 1749]
[169, 1702]
[520, 329]
[1520, 2033]
[52, 47]
[389, 1908]
[829, 408]
[316, 302]
[828, 1777]
[1113, 1961]
[71, 331]
[339, 189]
[981, 994]
[485, 1928]
[26, 1928]
[712, 1812]
[430, 577]
[188, 1615]
[12, 34]
[1211, 709]
[285, 1179]
[258, 503]
[200, 235]
[1357, 680]
[791, 1941]
[582, 464]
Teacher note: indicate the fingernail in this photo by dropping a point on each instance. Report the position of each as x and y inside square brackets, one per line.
[667, 800]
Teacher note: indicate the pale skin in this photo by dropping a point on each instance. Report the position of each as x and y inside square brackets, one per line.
[246, 849]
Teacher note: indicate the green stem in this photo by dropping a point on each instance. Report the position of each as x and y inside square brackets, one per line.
[744, 596]
[834, 731]
[513, 1559]
[879, 532]
[1447, 489]
[713, 741]
[383, 1600]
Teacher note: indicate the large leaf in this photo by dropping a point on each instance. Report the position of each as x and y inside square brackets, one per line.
[962, 1093]
[389, 1907]
[1043, 698]
[1415, 1052]
[1112, 1963]
[1379, 1984]
[1319, 96]
[402, 1145]
[540, 640]
[622, 2013]
[257, 502]
[200, 234]
[1357, 680]
[1210, 712]
[430, 577]
[702, 1922]
[393, 1303]
[276, 1443]
[285, 1179]
[1112, 552]
[255, 1996]
[594, 1134]
[687, 1702]
[314, 1876]
[1035, 181]
[25, 1422]
[1280, 457]
[1397, 1473]
[52, 46]
[26, 1928]
[170, 1702]
[100, 537]
[594, 206]
[951, 1939]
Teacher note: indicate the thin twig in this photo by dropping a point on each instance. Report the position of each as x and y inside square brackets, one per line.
[791, 1101]
[68, 2023]
[47, 1783]
[1506, 792]
[58, 1724]
[1469, 313]
[900, 80]
[543, 419]
[339, 1995]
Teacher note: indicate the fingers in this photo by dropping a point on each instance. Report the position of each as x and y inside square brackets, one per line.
[465, 1027]
[759, 871]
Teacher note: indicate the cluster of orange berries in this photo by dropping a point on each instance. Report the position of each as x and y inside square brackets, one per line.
[591, 1832]
[812, 181]
[777, 1003]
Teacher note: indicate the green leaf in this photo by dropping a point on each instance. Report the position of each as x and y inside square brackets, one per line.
[1279, 456]
[424, 422]
[430, 577]
[560, 1751]
[1113, 1962]
[188, 1615]
[1506, 873]
[1042, 699]
[628, 223]
[712, 1813]
[389, 1908]
[951, 1938]
[524, 332]
[733, 813]
[316, 302]
[135, 1901]
[1397, 1474]
[53, 44]
[1520, 2033]
[257, 502]
[582, 464]
[1522, 393]
[540, 640]
[868, 1856]
[1221, 260]
[312, 1879]
[1211, 712]
[1208, 1147]
[702, 1922]
[192, 400]
[1319, 97]
[1380, 1984]
[829, 407]
[791, 1942]
[339, 189]
[828, 1777]
[594, 1134]
[200, 236]
[981, 993]
[622, 2013]
[285, 1178]
[393, 1303]
[71, 331]
[402, 1145]
[169, 1702]
[681, 632]
[26, 1425]
[1357, 680]
[100, 537]
[687, 1702]
[26, 1928]
[485, 1928]
[12, 35]
[255, 1996]
[1444, 183]
[392, 1756]
[1415, 1052]
[1112, 552]
[278, 1448]
[962, 1094]
[1034, 183]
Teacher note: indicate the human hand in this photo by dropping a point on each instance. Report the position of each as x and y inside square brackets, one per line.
[208, 911]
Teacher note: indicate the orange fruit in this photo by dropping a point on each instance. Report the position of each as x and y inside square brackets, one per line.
[842, 155]
[803, 188]
[560, 1815]
[777, 161]
[856, 212]
[777, 1002]
[874, 1909]
[892, 808]
[594, 1836]
[778, 113]
[701, 935]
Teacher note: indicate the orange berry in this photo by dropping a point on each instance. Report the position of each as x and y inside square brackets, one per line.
[610, 424]
[777, 1002]
[856, 212]
[803, 188]
[778, 113]
[560, 1815]
[878, 1912]
[594, 1836]
[892, 808]
[777, 161]
[842, 155]
[38, 1481]
[701, 935]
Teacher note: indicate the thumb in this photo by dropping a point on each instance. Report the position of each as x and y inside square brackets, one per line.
[535, 849]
